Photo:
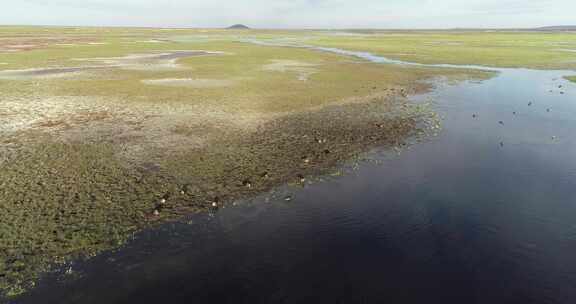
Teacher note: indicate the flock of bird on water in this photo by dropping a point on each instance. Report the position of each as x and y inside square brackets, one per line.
[529, 104]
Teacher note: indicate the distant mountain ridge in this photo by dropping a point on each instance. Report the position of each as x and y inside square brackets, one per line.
[238, 27]
[557, 28]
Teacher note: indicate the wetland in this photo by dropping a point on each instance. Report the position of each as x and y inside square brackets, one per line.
[140, 138]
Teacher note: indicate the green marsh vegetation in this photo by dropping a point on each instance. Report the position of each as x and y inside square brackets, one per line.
[550, 50]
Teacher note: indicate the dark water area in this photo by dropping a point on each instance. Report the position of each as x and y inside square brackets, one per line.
[54, 71]
[483, 213]
[179, 55]
[43, 72]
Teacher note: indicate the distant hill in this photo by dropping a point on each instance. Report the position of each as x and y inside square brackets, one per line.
[557, 28]
[238, 27]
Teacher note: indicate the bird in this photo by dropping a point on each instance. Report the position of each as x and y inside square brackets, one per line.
[547, 110]
[513, 113]
[501, 122]
[301, 178]
[473, 115]
[530, 103]
[501, 144]
[246, 183]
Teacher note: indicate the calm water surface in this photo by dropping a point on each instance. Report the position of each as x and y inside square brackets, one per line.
[483, 213]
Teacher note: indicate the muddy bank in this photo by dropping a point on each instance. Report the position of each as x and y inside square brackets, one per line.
[46, 73]
[146, 62]
[158, 61]
[21, 43]
[76, 199]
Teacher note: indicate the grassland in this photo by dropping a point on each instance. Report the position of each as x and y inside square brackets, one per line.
[106, 131]
[571, 78]
[553, 50]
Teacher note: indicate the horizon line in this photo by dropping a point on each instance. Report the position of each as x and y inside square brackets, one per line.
[572, 27]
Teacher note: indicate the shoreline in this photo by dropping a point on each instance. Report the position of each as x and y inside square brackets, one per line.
[399, 215]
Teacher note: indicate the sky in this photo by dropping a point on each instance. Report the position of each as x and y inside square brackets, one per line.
[292, 13]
